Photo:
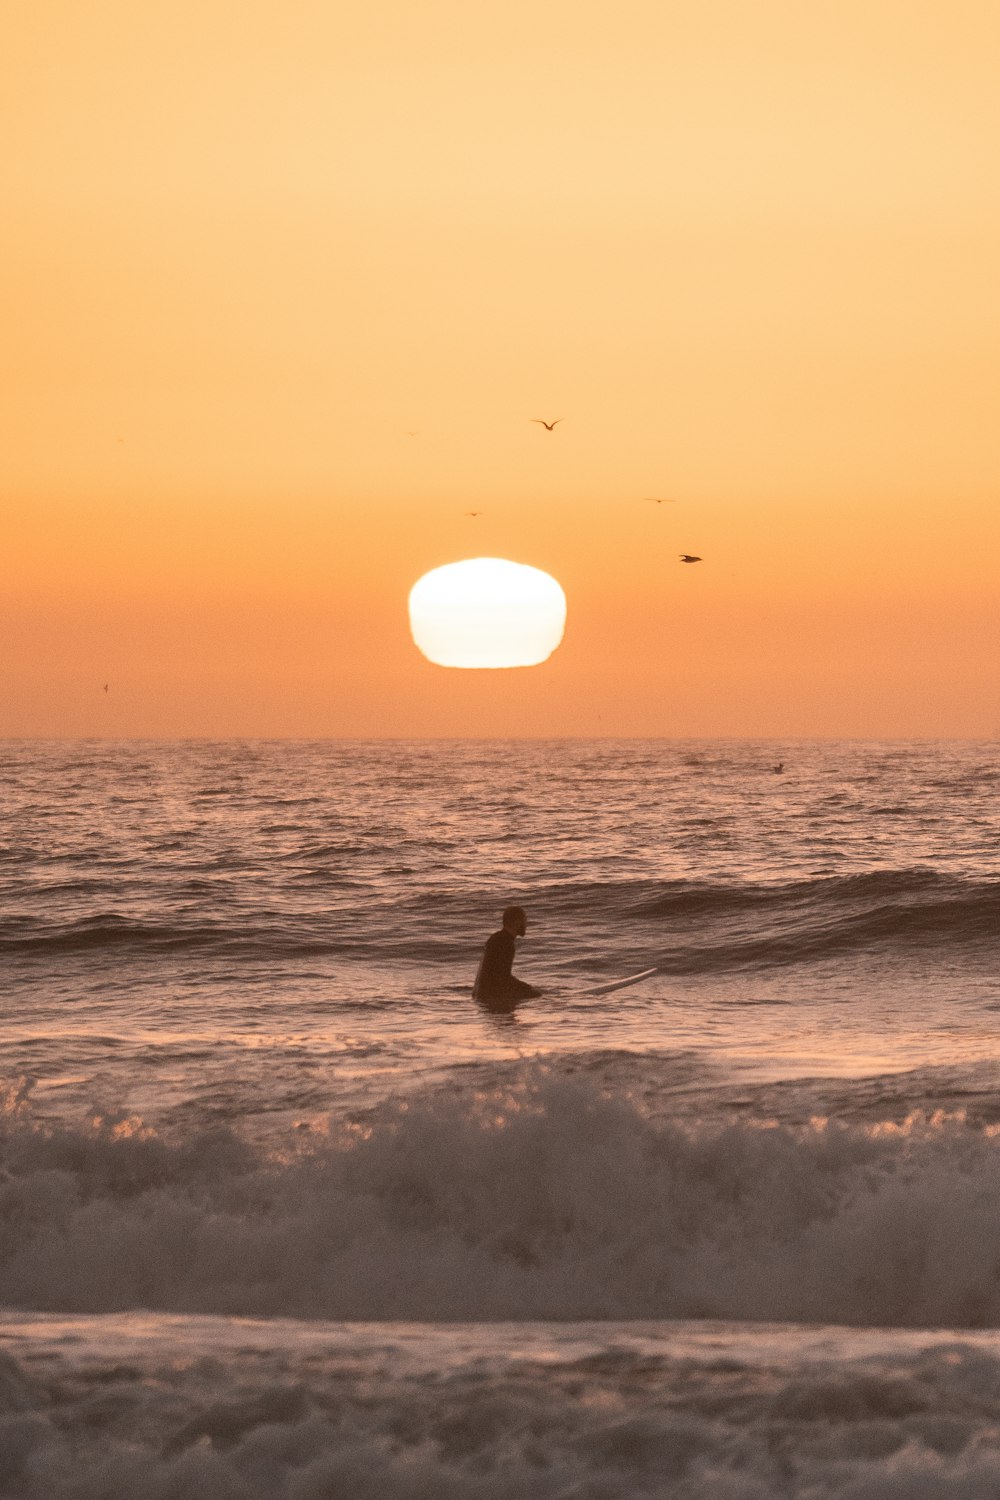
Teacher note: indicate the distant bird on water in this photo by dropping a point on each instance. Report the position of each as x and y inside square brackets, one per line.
[687, 557]
[547, 425]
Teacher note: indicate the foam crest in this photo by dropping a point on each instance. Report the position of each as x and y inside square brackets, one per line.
[291, 1416]
[543, 1199]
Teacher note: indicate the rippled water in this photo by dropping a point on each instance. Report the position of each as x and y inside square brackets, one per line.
[250, 930]
[245, 1078]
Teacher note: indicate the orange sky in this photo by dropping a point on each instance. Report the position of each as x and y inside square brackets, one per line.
[748, 252]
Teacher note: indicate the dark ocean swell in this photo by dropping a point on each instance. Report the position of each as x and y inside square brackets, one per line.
[805, 920]
[683, 927]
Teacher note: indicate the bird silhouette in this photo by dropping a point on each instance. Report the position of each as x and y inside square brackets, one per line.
[473, 512]
[547, 425]
[687, 557]
[105, 687]
[658, 500]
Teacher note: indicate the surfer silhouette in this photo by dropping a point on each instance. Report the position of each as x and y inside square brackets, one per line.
[495, 986]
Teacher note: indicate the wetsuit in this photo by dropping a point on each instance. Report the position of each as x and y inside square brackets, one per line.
[494, 982]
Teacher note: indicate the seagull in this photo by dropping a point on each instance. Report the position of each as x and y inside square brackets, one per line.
[473, 512]
[547, 425]
[657, 500]
[686, 557]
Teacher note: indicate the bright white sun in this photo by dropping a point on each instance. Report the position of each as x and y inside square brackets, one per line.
[487, 612]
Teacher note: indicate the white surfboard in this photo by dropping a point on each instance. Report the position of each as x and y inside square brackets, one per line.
[617, 984]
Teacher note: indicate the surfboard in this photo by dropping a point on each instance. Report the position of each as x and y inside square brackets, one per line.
[617, 984]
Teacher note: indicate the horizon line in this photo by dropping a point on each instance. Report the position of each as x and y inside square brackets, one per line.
[485, 739]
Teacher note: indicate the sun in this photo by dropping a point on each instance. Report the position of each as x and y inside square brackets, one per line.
[487, 612]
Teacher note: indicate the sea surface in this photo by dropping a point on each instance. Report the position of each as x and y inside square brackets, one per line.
[284, 1213]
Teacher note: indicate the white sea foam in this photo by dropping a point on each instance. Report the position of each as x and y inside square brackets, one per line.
[195, 1409]
[541, 1199]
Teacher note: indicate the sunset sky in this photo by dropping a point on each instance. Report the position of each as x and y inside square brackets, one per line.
[748, 253]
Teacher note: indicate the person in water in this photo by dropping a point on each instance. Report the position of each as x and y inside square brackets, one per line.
[495, 985]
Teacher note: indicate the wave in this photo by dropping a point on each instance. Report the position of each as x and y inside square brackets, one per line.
[196, 1408]
[811, 919]
[681, 926]
[184, 1409]
[541, 1199]
[113, 930]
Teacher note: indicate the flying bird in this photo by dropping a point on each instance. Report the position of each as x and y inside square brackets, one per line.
[473, 512]
[660, 500]
[686, 557]
[547, 425]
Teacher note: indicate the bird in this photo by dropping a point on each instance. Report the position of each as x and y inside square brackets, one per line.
[473, 512]
[105, 687]
[778, 767]
[547, 425]
[687, 557]
[658, 500]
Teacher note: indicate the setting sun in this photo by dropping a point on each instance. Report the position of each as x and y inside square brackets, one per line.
[487, 612]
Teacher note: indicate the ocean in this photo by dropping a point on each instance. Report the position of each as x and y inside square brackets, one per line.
[284, 1213]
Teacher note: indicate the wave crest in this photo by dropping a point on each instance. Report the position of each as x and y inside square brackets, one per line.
[682, 926]
[542, 1200]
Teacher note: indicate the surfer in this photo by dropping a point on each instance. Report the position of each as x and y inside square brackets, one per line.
[495, 986]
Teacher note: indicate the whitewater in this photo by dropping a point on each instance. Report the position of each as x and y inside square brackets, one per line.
[284, 1213]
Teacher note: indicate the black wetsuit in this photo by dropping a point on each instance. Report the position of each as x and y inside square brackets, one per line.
[494, 982]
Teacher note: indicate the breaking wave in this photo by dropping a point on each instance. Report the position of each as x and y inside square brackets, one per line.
[543, 1199]
[190, 1409]
[183, 1410]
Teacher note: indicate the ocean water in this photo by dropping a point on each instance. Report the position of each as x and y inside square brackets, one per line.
[284, 1213]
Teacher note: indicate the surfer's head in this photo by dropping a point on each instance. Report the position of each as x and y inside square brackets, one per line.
[515, 920]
